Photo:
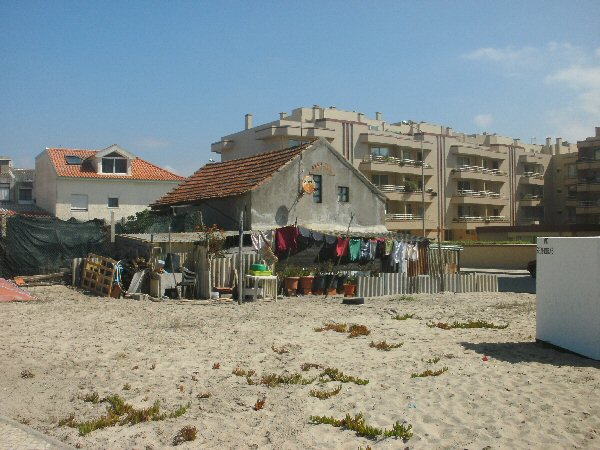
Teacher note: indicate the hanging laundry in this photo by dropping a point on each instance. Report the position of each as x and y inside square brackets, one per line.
[342, 247]
[389, 246]
[365, 250]
[354, 249]
[330, 238]
[287, 240]
[257, 239]
[372, 249]
[414, 253]
[397, 251]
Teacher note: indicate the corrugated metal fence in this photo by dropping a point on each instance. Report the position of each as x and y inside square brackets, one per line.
[397, 283]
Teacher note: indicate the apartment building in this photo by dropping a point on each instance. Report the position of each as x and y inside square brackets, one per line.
[588, 180]
[435, 179]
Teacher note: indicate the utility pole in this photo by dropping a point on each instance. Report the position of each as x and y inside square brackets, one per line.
[241, 262]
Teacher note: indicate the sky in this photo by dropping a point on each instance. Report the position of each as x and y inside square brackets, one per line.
[165, 79]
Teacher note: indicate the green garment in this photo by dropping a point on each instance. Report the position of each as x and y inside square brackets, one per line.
[354, 249]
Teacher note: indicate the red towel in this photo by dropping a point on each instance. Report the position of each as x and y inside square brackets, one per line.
[341, 248]
[287, 240]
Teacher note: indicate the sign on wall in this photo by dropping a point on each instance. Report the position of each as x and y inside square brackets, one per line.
[322, 167]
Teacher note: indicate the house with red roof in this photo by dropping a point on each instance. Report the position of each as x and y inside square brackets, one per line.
[95, 184]
[310, 185]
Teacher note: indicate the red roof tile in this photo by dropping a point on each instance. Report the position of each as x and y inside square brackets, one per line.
[229, 178]
[140, 169]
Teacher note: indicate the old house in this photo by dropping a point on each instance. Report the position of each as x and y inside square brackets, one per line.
[310, 185]
[92, 184]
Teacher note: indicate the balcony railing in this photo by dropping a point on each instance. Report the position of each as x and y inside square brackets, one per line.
[537, 175]
[591, 180]
[587, 203]
[393, 188]
[471, 193]
[481, 219]
[403, 217]
[394, 160]
[532, 197]
[479, 169]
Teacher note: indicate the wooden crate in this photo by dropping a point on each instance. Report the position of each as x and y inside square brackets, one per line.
[98, 274]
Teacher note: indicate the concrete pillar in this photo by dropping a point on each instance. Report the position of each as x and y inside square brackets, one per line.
[378, 116]
[282, 115]
[558, 146]
[248, 121]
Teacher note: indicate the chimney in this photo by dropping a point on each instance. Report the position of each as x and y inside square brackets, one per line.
[378, 115]
[316, 112]
[558, 146]
[282, 115]
[548, 142]
[248, 121]
[517, 142]
[361, 117]
[597, 131]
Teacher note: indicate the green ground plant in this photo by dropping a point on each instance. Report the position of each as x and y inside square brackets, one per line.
[361, 428]
[307, 366]
[186, 434]
[432, 360]
[466, 325]
[429, 373]
[332, 374]
[273, 380]
[337, 327]
[383, 345]
[404, 317]
[243, 373]
[324, 394]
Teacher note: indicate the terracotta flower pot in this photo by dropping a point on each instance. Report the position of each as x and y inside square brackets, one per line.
[349, 290]
[291, 285]
[306, 284]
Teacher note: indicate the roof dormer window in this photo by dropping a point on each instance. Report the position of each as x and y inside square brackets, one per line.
[114, 163]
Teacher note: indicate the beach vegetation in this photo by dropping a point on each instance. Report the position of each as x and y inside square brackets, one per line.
[406, 298]
[383, 345]
[126, 387]
[466, 325]
[260, 404]
[26, 373]
[324, 394]
[358, 330]
[274, 380]
[216, 365]
[121, 413]
[403, 317]
[203, 395]
[186, 434]
[432, 360]
[362, 429]
[91, 398]
[332, 374]
[243, 373]
[279, 350]
[337, 327]
[429, 373]
[307, 366]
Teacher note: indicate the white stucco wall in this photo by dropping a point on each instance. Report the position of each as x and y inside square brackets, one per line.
[134, 196]
[568, 293]
[44, 187]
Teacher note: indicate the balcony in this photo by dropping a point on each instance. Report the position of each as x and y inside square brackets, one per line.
[484, 219]
[588, 207]
[534, 178]
[588, 185]
[220, 146]
[478, 173]
[482, 151]
[374, 163]
[403, 217]
[391, 138]
[399, 193]
[531, 199]
[584, 163]
[478, 197]
[533, 158]
[294, 132]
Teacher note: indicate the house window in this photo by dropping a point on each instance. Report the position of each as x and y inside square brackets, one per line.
[343, 194]
[26, 195]
[4, 192]
[318, 193]
[73, 160]
[79, 202]
[380, 180]
[464, 161]
[571, 171]
[113, 202]
[114, 164]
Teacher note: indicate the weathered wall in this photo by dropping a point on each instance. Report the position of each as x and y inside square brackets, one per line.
[510, 257]
[568, 302]
[277, 203]
[44, 188]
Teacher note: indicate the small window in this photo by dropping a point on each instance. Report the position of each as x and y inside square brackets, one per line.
[464, 161]
[318, 193]
[380, 151]
[79, 202]
[343, 194]
[113, 202]
[4, 192]
[73, 160]
[25, 195]
[114, 165]
[380, 180]
[571, 171]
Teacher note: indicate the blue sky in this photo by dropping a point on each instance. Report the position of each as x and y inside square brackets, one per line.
[165, 79]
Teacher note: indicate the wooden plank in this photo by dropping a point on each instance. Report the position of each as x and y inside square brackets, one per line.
[98, 274]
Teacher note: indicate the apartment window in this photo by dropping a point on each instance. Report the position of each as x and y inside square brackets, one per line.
[495, 212]
[464, 161]
[419, 156]
[114, 164]
[79, 202]
[464, 185]
[380, 151]
[26, 195]
[113, 202]
[380, 180]
[343, 194]
[495, 165]
[571, 171]
[572, 192]
[318, 193]
[4, 192]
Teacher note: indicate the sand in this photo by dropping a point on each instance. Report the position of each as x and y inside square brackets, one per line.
[501, 389]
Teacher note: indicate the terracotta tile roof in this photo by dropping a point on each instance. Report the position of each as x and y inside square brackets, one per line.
[229, 178]
[140, 169]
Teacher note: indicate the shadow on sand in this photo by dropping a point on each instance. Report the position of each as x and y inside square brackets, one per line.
[540, 352]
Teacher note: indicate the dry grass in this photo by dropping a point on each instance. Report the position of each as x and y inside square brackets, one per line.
[260, 404]
[383, 345]
[358, 330]
[186, 434]
[279, 350]
[337, 327]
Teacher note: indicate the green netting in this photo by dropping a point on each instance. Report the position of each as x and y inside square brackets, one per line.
[40, 245]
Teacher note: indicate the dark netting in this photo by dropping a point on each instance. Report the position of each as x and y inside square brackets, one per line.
[35, 246]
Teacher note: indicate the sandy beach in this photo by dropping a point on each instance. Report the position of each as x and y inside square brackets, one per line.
[500, 389]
